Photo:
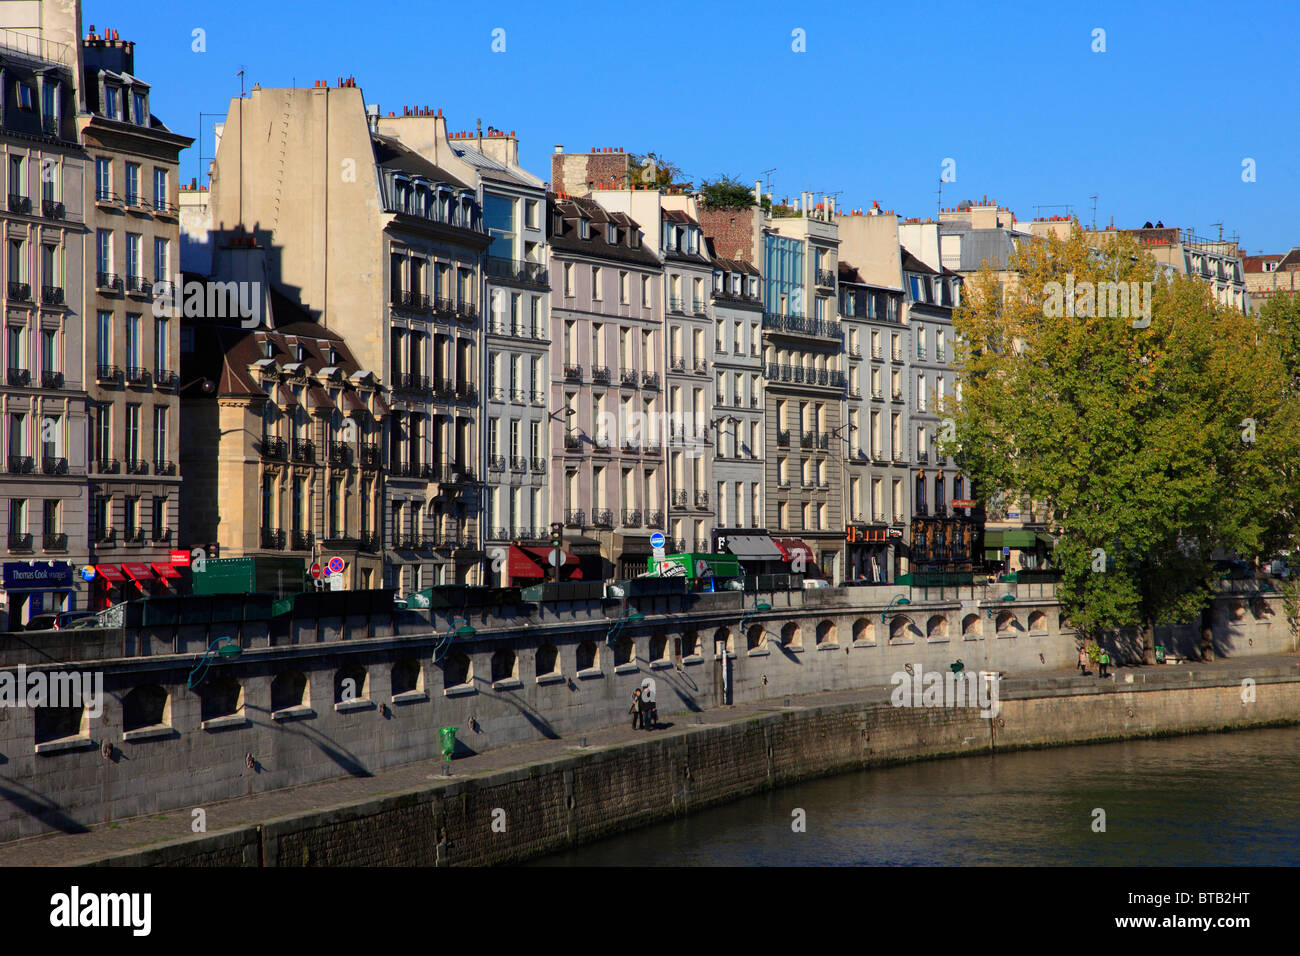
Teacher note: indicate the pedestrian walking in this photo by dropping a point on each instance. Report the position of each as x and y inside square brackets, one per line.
[650, 712]
[635, 709]
[1102, 663]
[1083, 661]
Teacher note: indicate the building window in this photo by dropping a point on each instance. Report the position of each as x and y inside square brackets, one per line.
[160, 433]
[132, 184]
[159, 518]
[103, 178]
[132, 431]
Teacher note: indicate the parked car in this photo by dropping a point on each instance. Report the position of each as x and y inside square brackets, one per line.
[57, 620]
[814, 584]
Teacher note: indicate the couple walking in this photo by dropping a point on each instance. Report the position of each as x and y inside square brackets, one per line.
[644, 710]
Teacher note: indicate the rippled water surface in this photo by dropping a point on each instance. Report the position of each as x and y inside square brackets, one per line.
[1218, 799]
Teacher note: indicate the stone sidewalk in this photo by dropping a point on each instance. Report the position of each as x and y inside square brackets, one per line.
[105, 840]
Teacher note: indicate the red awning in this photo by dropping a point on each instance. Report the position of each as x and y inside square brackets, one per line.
[110, 573]
[165, 571]
[139, 573]
[792, 546]
[534, 564]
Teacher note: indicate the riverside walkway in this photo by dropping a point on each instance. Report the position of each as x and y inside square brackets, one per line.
[99, 842]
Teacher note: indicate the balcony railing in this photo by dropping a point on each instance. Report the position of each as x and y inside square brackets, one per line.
[517, 270]
[572, 441]
[701, 499]
[410, 382]
[800, 375]
[575, 519]
[627, 376]
[369, 542]
[20, 204]
[55, 541]
[54, 466]
[413, 301]
[680, 499]
[676, 303]
[302, 541]
[139, 285]
[108, 373]
[801, 325]
[107, 466]
[649, 379]
[20, 376]
[105, 537]
[20, 542]
[600, 374]
[783, 438]
[496, 463]
[304, 451]
[273, 449]
[572, 373]
[137, 466]
[52, 294]
[826, 278]
[603, 518]
[162, 466]
[369, 455]
[631, 519]
[538, 465]
[518, 463]
[51, 379]
[701, 366]
[108, 281]
[20, 464]
[164, 378]
[272, 539]
[137, 375]
[340, 453]
[20, 291]
[52, 210]
[677, 364]
[654, 519]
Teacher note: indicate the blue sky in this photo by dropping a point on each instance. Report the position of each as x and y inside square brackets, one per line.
[1157, 126]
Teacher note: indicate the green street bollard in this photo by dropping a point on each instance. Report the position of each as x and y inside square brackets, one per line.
[448, 741]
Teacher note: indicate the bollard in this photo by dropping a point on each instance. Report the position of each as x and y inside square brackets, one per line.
[448, 735]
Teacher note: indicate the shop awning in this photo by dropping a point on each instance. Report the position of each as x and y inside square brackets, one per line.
[993, 539]
[753, 547]
[793, 546]
[1019, 538]
[110, 573]
[141, 574]
[531, 563]
[166, 572]
[581, 545]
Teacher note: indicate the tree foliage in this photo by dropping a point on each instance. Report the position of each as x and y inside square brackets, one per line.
[727, 192]
[1151, 446]
[653, 171]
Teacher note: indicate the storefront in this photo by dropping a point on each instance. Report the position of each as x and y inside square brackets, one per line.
[798, 557]
[753, 548]
[945, 543]
[873, 553]
[634, 553]
[37, 587]
[114, 583]
[1017, 549]
[527, 565]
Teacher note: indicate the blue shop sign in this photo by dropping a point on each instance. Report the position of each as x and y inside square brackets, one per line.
[37, 576]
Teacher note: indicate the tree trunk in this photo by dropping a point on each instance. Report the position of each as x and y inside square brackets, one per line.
[1207, 633]
[1149, 642]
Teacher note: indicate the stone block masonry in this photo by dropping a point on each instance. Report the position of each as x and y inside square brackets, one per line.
[552, 804]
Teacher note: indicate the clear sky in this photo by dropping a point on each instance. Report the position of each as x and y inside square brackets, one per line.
[1157, 126]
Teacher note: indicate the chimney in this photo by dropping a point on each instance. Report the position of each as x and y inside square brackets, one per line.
[559, 148]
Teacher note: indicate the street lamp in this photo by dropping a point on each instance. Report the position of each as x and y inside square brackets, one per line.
[206, 385]
[1006, 598]
[227, 648]
[459, 627]
[630, 615]
[898, 600]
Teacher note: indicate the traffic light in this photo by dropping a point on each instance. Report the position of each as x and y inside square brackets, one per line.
[557, 534]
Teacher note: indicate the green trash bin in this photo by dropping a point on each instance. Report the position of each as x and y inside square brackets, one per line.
[1160, 654]
[448, 741]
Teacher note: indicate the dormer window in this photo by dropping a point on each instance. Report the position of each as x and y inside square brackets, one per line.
[611, 234]
[584, 229]
[26, 98]
[139, 110]
[112, 98]
[717, 282]
[634, 239]
[302, 353]
[334, 356]
[735, 283]
[268, 348]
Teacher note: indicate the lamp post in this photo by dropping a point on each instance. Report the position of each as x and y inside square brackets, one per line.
[898, 600]
[844, 500]
[459, 627]
[227, 648]
[1005, 599]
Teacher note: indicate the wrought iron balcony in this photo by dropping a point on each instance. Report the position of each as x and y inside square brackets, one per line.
[783, 438]
[410, 382]
[517, 270]
[600, 374]
[108, 373]
[701, 366]
[138, 285]
[518, 463]
[654, 519]
[806, 440]
[20, 291]
[272, 539]
[413, 301]
[20, 464]
[57, 541]
[701, 499]
[369, 455]
[162, 536]
[273, 449]
[603, 518]
[162, 466]
[20, 376]
[824, 441]
[572, 373]
[539, 398]
[303, 451]
[675, 303]
[496, 462]
[538, 465]
[575, 518]
[826, 278]
[51, 379]
[898, 397]
[54, 466]
[802, 325]
[572, 441]
[20, 542]
[631, 519]
[677, 364]
[52, 294]
[877, 352]
[467, 392]
[20, 204]
[340, 453]
[164, 378]
[444, 389]
[519, 396]
[369, 542]
[877, 395]
[680, 499]
[627, 376]
[108, 466]
[137, 375]
[105, 536]
[923, 455]
[601, 443]
[649, 379]
[677, 544]
[496, 393]
[302, 541]
[137, 466]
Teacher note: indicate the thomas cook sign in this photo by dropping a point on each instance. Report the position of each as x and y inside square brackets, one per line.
[37, 576]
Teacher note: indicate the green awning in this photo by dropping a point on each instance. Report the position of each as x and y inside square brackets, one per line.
[1018, 538]
[992, 554]
[992, 539]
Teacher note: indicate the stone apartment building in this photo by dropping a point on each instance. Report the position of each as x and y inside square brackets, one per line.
[375, 225]
[282, 453]
[1216, 262]
[43, 484]
[1269, 274]
[131, 358]
[608, 432]
[804, 388]
[516, 351]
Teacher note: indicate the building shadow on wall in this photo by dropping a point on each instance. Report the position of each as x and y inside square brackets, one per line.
[42, 808]
[341, 756]
[530, 714]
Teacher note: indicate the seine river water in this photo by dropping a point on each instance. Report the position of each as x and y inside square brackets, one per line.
[1217, 799]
